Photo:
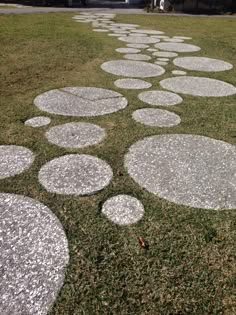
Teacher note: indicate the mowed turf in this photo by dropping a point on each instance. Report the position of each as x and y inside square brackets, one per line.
[188, 266]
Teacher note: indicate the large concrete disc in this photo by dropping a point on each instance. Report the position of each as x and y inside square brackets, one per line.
[177, 47]
[123, 209]
[75, 135]
[159, 98]
[165, 54]
[139, 40]
[81, 101]
[202, 64]
[14, 160]
[34, 253]
[38, 121]
[134, 69]
[191, 170]
[198, 86]
[75, 174]
[135, 84]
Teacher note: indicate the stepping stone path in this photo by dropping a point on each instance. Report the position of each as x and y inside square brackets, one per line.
[191, 170]
[39, 121]
[34, 255]
[123, 210]
[75, 174]
[14, 160]
[156, 117]
[75, 135]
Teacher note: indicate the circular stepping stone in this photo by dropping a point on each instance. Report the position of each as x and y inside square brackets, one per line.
[131, 26]
[156, 117]
[33, 256]
[14, 160]
[165, 54]
[202, 64]
[163, 59]
[191, 170]
[149, 32]
[179, 72]
[178, 47]
[75, 174]
[123, 209]
[128, 50]
[198, 86]
[38, 121]
[137, 57]
[141, 46]
[75, 135]
[100, 30]
[130, 68]
[134, 84]
[173, 40]
[160, 98]
[139, 40]
[152, 49]
[161, 63]
[182, 37]
[159, 36]
[81, 101]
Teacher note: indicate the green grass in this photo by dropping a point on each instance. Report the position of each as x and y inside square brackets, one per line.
[189, 267]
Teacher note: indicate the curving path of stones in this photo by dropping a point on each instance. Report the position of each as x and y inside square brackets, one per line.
[191, 170]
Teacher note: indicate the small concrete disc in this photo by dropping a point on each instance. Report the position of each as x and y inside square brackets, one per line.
[100, 30]
[123, 209]
[152, 49]
[177, 47]
[198, 86]
[81, 101]
[128, 50]
[75, 174]
[34, 253]
[165, 54]
[192, 170]
[75, 135]
[38, 121]
[173, 40]
[130, 68]
[161, 63]
[141, 46]
[14, 160]
[135, 84]
[179, 72]
[163, 59]
[149, 32]
[202, 64]
[137, 57]
[160, 36]
[125, 25]
[160, 98]
[139, 40]
[182, 37]
[156, 117]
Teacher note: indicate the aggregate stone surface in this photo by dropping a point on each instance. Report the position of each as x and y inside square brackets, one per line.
[198, 86]
[14, 160]
[202, 64]
[75, 135]
[191, 170]
[139, 40]
[134, 84]
[173, 40]
[100, 30]
[149, 32]
[161, 63]
[81, 101]
[33, 256]
[163, 59]
[182, 37]
[137, 57]
[123, 209]
[138, 35]
[152, 49]
[128, 50]
[179, 72]
[75, 174]
[141, 46]
[160, 98]
[131, 68]
[177, 47]
[38, 121]
[165, 54]
[156, 117]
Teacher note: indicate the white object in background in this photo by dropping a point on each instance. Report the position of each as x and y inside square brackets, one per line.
[162, 4]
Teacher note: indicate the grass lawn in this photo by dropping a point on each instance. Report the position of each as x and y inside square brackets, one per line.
[189, 267]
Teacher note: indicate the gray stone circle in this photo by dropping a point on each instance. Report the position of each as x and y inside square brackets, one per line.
[182, 37]
[81, 101]
[75, 174]
[123, 209]
[141, 46]
[179, 72]
[139, 40]
[173, 40]
[134, 84]
[191, 170]
[33, 256]
[202, 64]
[75, 135]
[177, 47]
[14, 160]
[165, 54]
[101, 30]
[160, 98]
[130, 68]
[38, 121]
[138, 57]
[155, 117]
[161, 63]
[149, 32]
[198, 86]
[128, 50]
